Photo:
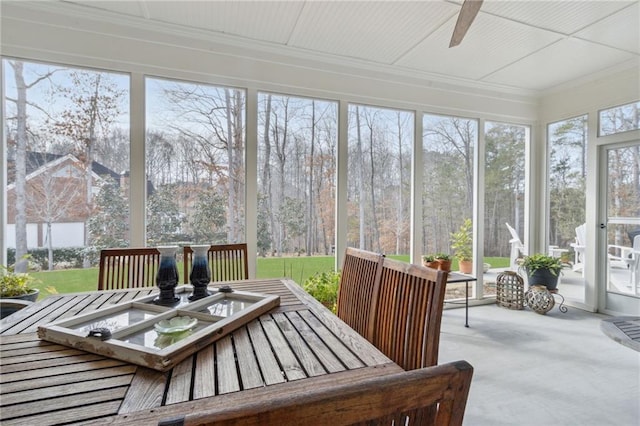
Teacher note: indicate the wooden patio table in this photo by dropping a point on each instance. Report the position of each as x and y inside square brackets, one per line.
[296, 345]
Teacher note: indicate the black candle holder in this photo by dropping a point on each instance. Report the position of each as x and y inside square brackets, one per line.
[200, 275]
[167, 277]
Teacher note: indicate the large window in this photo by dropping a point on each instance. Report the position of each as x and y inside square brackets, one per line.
[379, 179]
[449, 145]
[504, 187]
[297, 140]
[195, 143]
[567, 179]
[67, 132]
[567, 142]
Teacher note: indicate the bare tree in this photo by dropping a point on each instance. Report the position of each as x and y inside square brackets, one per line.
[400, 205]
[210, 123]
[266, 168]
[458, 135]
[21, 144]
[360, 178]
[95, 106]
[52, 196]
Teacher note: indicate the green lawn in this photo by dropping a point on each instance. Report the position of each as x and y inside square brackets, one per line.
[296, 268]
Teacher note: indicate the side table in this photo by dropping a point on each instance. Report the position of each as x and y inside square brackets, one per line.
[458, 277]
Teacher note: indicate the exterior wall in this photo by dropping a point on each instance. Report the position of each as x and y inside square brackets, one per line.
[69, 204]
[67, 207]
[33, 235]
[67, 234]
[63, 235]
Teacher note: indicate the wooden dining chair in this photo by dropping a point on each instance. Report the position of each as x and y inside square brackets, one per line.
[386, 400]
[407, 312]
[228, 262]
[358, 283]
[128, 268]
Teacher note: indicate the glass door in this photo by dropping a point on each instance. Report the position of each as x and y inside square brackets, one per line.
[622, 197]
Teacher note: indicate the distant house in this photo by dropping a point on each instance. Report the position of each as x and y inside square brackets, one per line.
[56, 193]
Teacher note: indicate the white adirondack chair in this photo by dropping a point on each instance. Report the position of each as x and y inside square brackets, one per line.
[629, 257]
[517, 248]
[579, 247]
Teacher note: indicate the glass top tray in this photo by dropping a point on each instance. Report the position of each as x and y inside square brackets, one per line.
[155, 336]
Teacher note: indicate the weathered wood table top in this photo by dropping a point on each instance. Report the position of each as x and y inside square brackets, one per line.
[298, 344]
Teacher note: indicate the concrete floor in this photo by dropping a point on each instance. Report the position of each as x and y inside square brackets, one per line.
[554, 369]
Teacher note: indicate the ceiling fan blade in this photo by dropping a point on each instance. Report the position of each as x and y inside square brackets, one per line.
[468, 12]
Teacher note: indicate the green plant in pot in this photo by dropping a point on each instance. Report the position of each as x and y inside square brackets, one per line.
[16, 291]
[323, 286]
[462, 245]
[17, 285]
[542, 269]
[430, 261]
[444, 261]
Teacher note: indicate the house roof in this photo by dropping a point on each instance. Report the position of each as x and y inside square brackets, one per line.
[37, 160]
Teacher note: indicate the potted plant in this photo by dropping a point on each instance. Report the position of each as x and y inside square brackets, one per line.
[430, 261]
[323, 286]
[15, 291]
[461, 243]
[542, 269]
[17, 285]
[444, 261]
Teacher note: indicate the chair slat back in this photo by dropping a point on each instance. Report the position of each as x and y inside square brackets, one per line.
[359, 279]
[407, 313]
[396, 399]
[128, 268]
[228, 262]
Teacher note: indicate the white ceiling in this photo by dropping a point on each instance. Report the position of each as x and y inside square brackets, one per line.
[532, 45]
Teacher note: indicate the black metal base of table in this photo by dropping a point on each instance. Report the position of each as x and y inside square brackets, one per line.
[456, 277]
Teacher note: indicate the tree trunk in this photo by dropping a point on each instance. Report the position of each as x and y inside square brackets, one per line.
[374, 220]
[309, 235]
[231, 229]
[400, 205]
[266, 170]
[21, 168]
[360, 177]
[49, 247]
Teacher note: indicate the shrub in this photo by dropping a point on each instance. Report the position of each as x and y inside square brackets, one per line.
[323, 286]
[39, 257]
[14, 284]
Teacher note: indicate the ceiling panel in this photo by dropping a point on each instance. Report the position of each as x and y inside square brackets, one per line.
[559, 63]
[377, 31]
[621, 30]
[564, 16]
[491, 44]
[257, 20]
